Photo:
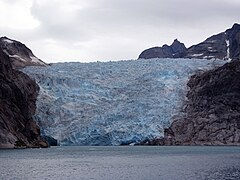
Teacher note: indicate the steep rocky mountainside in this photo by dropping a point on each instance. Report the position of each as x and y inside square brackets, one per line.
[176, 50]
[212, 111]
[18, 95]
[225, 46]
[214, 47]
[19, 54]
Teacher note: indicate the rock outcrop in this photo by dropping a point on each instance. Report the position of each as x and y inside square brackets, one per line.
[234, 42]
[20, 55]
[18, 95]
[213, 47]
[225, 46]
[176, 50]
[51, 141]
[212, 111]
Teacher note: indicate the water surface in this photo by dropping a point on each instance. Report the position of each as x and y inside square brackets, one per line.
[105, 163]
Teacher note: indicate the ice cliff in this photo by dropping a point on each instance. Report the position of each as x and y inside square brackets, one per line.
[112, 103]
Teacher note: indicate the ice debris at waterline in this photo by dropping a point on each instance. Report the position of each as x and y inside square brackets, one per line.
[112, 103]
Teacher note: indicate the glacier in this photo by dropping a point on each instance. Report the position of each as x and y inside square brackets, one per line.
[112, 103]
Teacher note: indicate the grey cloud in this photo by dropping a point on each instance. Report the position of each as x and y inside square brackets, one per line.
[10, 1]
[139, 12]
[140, 23]
[141, 19]
[114, 17]
[56, 24]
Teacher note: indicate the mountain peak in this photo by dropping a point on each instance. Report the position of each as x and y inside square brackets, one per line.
[225, 46]
[6, 39]
[19, 54]
[175, 50]
[235, 25]
[176, 41]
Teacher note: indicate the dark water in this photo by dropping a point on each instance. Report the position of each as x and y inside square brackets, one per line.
[134, 163]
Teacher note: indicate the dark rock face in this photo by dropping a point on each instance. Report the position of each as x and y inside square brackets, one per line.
[19, 54]
[225, 46]
[234, 40]
[212, 111]
[51, 141]
[151, 142]
[213, 47]
[176, 50]
[18, 95]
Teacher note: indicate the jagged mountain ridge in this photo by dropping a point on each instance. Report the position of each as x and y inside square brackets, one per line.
[175, 50]
[19, 54]
[18, 95]
[225, 46]
[112, 103]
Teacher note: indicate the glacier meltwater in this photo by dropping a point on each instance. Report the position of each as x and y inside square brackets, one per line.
[112, 103]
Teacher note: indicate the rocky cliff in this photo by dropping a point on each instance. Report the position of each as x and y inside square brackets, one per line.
[175, 50]
[225, 46]
[18, 94]
[20, 55]
[212, 111]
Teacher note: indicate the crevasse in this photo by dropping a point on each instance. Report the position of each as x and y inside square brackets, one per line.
[112, 103]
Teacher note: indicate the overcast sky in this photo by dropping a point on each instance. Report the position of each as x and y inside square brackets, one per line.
[91, 30]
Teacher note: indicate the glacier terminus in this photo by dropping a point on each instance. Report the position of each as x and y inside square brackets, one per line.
[113, 103]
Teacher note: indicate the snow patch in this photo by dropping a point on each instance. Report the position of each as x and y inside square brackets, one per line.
[36, 60]
[210, 49]
[197, 55]
[209, 57]
[228, 51]
[8, 41]
[213, 41]
[18, 57]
